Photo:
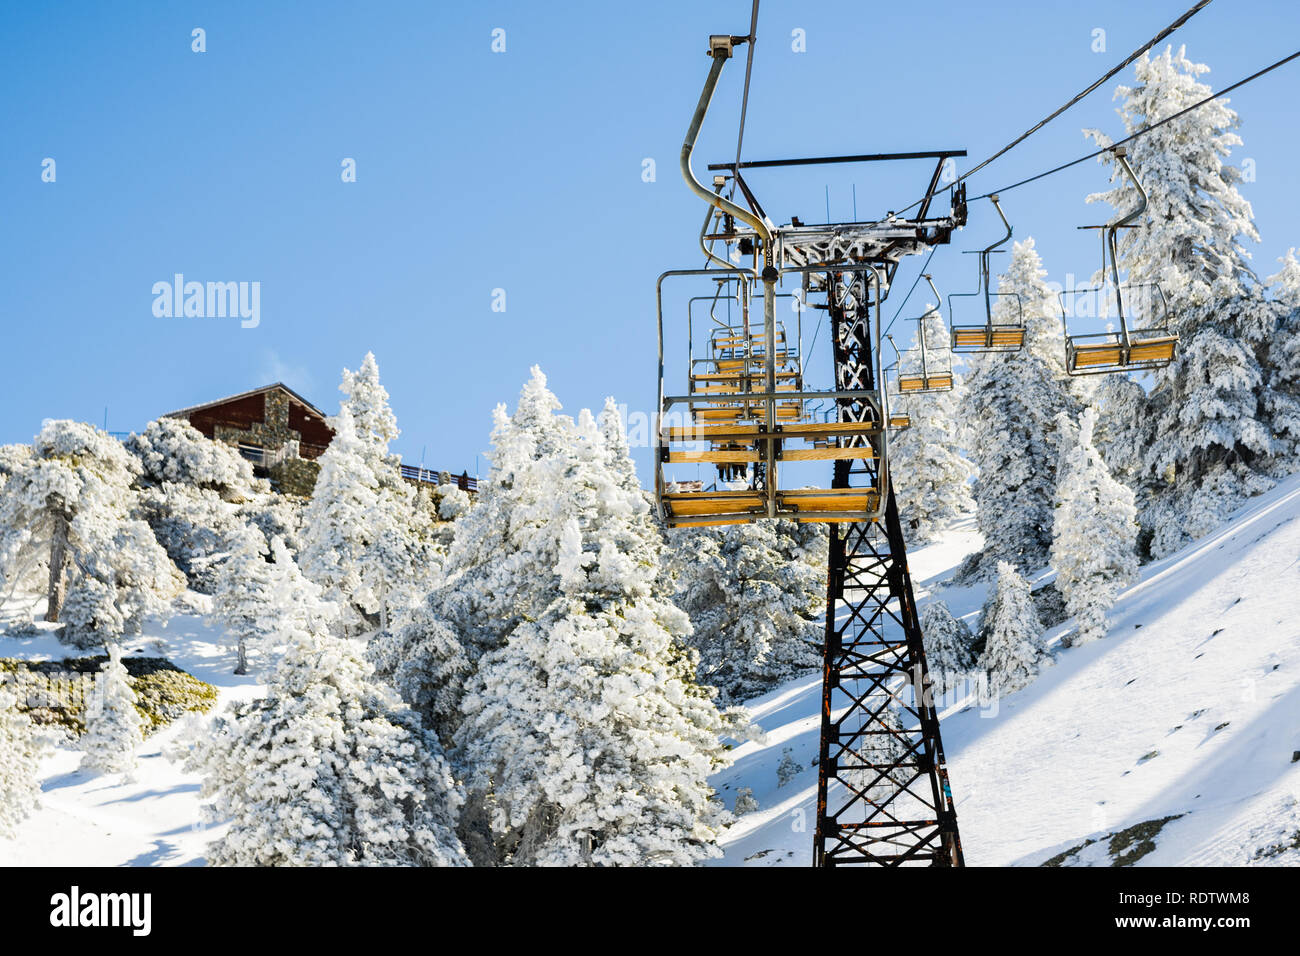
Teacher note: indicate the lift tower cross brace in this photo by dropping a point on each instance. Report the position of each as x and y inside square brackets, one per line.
[882, 788]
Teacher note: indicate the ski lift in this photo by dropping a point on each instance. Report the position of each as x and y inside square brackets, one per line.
[898, 421]
[991, 336]
[1149, 344]
[929, 371]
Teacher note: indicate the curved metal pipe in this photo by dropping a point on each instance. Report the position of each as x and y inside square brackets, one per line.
[1112, 241]
[984, 259]
[720, 50]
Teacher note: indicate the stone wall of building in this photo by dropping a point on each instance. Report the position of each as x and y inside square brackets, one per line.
[295, 476]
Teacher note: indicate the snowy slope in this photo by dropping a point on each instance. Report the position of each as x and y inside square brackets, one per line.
[1208, 639]
[154, 820]
[1190, 708]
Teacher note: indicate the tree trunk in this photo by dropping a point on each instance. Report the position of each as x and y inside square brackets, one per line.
[58, 562]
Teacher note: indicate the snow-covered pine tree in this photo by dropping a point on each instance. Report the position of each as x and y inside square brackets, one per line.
[1210, 441]
[240, 596]
[260, 594]
[194, 492]
[1014, 399]
[491, 580]
[114, 727]
[21, 748]
[754, 593]
[583, 724]
[1011, 634]
[1094, 533]
[1282, 398]
[359, 539]
[930, 476]
[72, 500]
[420, 658]
[1123, 431]
[329, 769]
[949, 646]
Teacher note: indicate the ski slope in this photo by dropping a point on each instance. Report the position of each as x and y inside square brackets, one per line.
[1190, 708]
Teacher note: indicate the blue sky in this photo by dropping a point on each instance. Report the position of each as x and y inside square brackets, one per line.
[518, 171]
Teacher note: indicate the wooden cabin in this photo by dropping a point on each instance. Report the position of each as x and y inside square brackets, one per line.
[262, 422]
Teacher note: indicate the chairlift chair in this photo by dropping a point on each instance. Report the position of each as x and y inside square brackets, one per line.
[991, 336]
[931, 369]
[1150, 346]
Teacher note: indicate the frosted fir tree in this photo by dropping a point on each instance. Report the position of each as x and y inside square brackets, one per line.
[745, 802]
[584, 726]
[1011, 421]
[1011, 634]
[423, 660]
[367, 401]
[1094, 536]
[329, 769]
[931, 478]
[22, 746]
[241, 596]
[114, 727]
[194, 493]
[1123, 430]
[949, 647]
[491, 580]
[261, 596]
[1209, 427]
[357, 539]
[754, 594]
[1282, 398]
[71, 501]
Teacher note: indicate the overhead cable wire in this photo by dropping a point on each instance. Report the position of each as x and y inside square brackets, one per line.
[1146, 129]
[1110, 74]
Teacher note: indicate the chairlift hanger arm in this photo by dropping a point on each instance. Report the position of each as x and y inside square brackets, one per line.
[720, 48]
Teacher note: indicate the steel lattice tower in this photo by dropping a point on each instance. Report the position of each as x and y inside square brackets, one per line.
[882, 792]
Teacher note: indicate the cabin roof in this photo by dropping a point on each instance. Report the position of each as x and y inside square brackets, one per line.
[183, 412]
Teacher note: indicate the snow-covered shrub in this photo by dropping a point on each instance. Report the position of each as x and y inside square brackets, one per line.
[193, 492]
[114, 727]
[1094, 534]
[788, 768]
[172, 451]
[583, 723]
[754, 594]
[949, 647]
[329, 769]
[745, 802]
[21, 747]
[1011, 634]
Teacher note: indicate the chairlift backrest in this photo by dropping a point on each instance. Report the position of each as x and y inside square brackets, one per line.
[989, 337]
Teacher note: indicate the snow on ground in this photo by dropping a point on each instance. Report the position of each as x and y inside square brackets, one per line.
[155, 819]
[1190, 707]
